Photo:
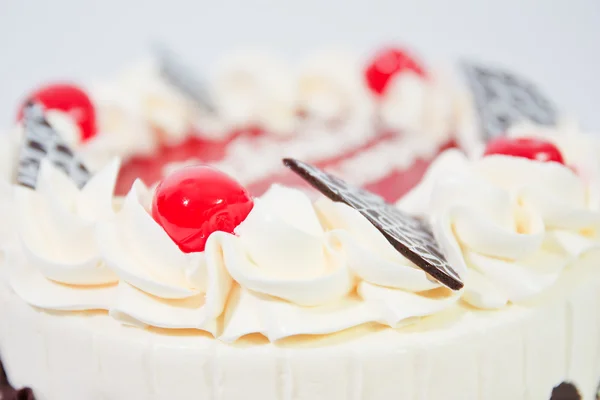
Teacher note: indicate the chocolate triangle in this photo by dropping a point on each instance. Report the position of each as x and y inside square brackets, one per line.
[42, 141]
[412, 237]
[503, 99]
[182, 78]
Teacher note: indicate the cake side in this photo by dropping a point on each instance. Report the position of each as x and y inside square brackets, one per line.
[521, 352]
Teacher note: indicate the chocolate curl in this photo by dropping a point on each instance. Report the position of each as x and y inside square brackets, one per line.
[503, 99]
[41, 141]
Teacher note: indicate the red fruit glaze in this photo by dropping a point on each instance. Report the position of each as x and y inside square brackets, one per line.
[194, 202]
[532, 148]
[69, 99]
[387, 63]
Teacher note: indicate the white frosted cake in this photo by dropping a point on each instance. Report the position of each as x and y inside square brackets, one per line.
[481, 283]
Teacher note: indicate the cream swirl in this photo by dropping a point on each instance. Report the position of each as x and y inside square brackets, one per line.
[434, 107]
[123, 129]
[300, 265]
[159, 284]
[332, 93]
[164, 107]
[62, 268]
[251, 88]
[518, 223]
[135, 113]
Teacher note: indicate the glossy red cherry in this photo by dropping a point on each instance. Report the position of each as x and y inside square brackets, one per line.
[71, 100]
[532, 148]
[194, 202]
[387, 63]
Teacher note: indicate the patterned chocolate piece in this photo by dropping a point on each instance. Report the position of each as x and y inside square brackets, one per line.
[412, 237]
[182, 78]
[42, 141]
[503, 99]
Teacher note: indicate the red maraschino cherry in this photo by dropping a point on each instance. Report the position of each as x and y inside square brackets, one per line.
[531, 148]
[194, 202]
[386, 64]
[71, 100]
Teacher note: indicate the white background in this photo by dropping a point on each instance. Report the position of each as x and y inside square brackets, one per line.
[557, 42]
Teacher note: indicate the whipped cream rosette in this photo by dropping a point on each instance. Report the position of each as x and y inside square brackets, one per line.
[161, 105]
[432, 106]
[123, 129]
[387, 278]
[135, 113]
[160, 285]
[253, 89]
[517, 222]
[332, 94]
[121, 119]
[62, 268]
[319, 269]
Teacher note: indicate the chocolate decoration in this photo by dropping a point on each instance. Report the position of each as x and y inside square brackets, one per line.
[42, 141]
[503, 99]
[182, 78]
[412, 237]
[565, 391]
[7, 392]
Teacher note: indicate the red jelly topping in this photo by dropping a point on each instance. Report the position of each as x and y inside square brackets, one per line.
[194, 202]
[71, 100]
[532, 148]
[388, 63]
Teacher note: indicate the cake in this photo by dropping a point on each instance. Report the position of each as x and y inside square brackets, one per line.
[227, 282]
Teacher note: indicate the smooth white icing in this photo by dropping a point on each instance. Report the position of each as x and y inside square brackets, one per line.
[518, 353]
[518, 222]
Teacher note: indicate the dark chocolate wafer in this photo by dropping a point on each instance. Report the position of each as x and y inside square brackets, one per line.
[40, 142]
[503, 98]
[412, 237]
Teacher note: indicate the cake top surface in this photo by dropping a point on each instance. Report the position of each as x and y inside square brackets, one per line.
[200, 250]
